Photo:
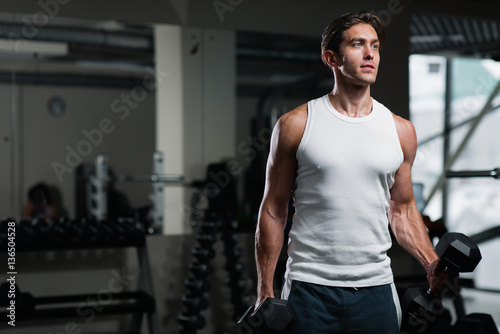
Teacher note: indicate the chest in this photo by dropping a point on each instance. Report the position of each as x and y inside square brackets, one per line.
[369, 147]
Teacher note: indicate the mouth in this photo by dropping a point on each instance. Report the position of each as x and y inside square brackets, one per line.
[368, 66]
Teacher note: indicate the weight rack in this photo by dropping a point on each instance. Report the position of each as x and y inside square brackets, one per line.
[80, 234]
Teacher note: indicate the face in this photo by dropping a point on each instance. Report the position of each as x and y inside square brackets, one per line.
[358, 57]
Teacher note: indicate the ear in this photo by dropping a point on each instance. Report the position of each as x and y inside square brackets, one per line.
[331, 58]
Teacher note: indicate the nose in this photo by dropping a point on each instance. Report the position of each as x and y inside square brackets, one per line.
[369, 52]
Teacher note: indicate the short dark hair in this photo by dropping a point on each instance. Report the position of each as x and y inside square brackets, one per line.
[40, 194]
[334, 32]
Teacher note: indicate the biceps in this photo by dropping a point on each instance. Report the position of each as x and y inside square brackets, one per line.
[280, 177]
[402, 190]
[279, 182]
[281, 169]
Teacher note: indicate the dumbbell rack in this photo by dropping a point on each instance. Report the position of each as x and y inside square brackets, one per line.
[206, 233]
[65, 234]
[235, 268]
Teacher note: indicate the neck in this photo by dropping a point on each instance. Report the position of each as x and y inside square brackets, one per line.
[351, 100]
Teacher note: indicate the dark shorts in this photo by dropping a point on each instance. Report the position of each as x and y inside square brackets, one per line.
[327, 310]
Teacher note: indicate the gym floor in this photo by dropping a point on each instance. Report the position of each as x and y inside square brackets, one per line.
[477, 301]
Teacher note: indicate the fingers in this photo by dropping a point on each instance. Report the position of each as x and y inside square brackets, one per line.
[436, 277]
[437, 281]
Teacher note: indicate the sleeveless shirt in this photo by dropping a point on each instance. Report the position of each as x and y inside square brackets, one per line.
[346, 167]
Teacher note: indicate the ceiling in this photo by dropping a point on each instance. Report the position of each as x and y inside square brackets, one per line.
[102, 50]
[460, 35]
[280, 59]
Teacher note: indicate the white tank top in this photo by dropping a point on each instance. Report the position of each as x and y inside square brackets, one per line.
[346, 166]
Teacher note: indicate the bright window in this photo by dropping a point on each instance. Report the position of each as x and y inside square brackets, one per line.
[473, 203]
[427, 99]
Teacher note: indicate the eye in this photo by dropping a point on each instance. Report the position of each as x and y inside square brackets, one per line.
[357, 44]
[375, 46]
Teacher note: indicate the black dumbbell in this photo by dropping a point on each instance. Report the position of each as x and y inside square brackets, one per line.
[200, 270]
[233, 253]
[92, 232]
[42, 225]
[203, 255]
[25, 234]
[271, 316]
[197, 286]
[133, 230]
[230, 239]
[59, 233]
[236, 267]
[109, 235]
[75, 233]
[191, 322]
[242, 283]
[194, 303]
[44, 230]
[205, 240]
[207, 227]
[422, 308]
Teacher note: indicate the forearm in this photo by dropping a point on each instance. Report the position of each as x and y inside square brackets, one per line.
[268, 243]
[411, 234]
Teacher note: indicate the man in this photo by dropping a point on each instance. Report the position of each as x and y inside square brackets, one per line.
[40, 203]
[346, 160]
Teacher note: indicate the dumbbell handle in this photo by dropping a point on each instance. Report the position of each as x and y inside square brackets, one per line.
[442, 267]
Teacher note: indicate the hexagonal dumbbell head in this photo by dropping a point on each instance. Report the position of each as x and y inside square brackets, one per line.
[458, 252]
[421, 311]
[416, 299]
[276, 313]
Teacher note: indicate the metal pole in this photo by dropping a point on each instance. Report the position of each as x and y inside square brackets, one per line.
[495, 173]
[146, 284]
[157, 197]
[98, 205]
[464, 142]
[154, 178]
[447, 141]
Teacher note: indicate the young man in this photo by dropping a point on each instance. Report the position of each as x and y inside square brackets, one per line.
[346, 160]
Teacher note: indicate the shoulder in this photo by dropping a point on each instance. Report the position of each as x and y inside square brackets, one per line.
[405, 129]
[294, 118]
[407, 135]
[291, 126]
[403, 126]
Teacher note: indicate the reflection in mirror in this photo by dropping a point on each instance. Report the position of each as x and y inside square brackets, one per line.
[72, 89]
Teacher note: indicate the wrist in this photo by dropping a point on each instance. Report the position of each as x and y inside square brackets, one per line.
[265, 292]
[431, 264]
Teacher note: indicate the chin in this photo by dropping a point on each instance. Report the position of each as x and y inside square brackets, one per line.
[366, 82]
[370, 80]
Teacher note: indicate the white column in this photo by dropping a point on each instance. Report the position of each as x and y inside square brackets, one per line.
[169, 119]
[196, 117]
